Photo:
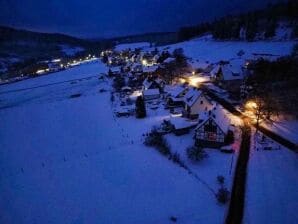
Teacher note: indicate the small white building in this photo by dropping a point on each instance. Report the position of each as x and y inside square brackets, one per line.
[195, 102]
[151, 94]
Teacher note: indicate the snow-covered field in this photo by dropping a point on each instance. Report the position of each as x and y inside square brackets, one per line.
[132, 46]
[272, 186]
[285, 127]
[205, 49]
[70, 160]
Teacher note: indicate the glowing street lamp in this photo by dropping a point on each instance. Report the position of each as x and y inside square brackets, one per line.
[251, 105]
[144, 62]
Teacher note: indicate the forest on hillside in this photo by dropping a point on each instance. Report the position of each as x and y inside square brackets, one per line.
[246, 26]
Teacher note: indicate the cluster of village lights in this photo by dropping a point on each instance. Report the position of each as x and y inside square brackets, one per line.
[73, 63]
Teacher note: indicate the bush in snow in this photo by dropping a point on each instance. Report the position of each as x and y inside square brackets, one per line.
[240, 53]
[176, 159]
[155, 139]
[195, 153]
[223, 195]
[173, 219]
[220, 179]
[118, 83]
[112, 97]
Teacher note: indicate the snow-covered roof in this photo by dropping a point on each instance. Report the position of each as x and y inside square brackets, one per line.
[150, 68]
[159, 81]
[218, 115]
[180, 122]
[199, 64]
[168, 60]
[215, 70]
[192, 96]
[115, 69]
[230, 71]
[150, 92]
[147, 83]
[176, 91]
[126, 88]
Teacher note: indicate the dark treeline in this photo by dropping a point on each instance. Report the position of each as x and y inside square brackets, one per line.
[247, 25]
[276, 82]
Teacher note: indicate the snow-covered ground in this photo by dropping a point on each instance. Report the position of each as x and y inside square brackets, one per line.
[287, 128]
[70, 160]
[205, 49]
[66, 159]
[132, 46]
[272, 185]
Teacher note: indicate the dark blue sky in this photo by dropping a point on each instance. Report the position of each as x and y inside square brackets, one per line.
[106, 18]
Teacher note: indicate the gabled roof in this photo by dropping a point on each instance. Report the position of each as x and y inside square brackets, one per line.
[192, 96]
[198, 64]
[215, 71]
[115, 69]
[218, 115]
[147, 83]
[150, 68]
[176, 91]
[150, 92]
[180, 123]
[230, 71]
[168, 60]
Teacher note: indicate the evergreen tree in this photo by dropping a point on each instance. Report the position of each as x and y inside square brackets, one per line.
[105, 59]
[110, 73]
[270, 28]
[251, 27]
[118, 83]
[140, 107]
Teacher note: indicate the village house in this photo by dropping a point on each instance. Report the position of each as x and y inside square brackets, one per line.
[151, 94]
[175, 97]
[199, 66]
[149, 69]
[182, 125]
[151, 83]
[195, 102]
[168, 60]
[229, 76]
[137, 68]
[114, 71]
[212, 129]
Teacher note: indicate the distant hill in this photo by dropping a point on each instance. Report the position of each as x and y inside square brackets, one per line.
[20, 48]
[159, 38]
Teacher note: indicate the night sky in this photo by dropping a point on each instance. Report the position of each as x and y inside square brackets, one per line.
[106, 18]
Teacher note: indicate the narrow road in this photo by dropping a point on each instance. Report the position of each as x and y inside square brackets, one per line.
[236, 206]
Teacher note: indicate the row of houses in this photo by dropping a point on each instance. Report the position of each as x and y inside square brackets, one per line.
[210, 124]
[213, 124]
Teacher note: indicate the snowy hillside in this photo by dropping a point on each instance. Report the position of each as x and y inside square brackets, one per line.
[70, 160]
[206, 49]
[122, 47]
